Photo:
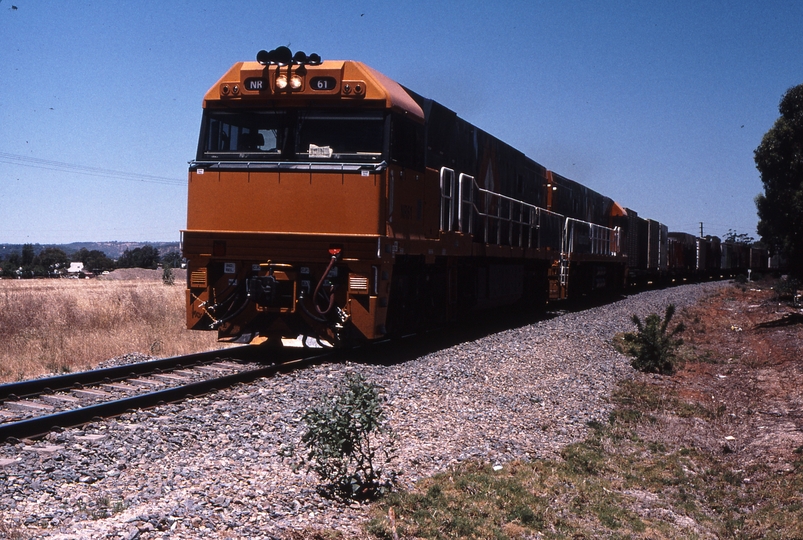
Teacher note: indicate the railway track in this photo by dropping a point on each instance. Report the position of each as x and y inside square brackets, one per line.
[33, 408]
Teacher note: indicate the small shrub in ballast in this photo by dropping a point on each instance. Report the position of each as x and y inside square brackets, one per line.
[653, 347]
[346, 439]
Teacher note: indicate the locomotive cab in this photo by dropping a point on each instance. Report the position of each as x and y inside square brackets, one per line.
[288, 200]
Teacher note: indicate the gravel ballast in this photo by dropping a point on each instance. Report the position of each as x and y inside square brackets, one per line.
[212, 467]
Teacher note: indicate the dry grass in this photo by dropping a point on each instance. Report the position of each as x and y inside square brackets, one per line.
[56, 326]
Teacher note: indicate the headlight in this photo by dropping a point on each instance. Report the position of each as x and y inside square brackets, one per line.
[294, 82]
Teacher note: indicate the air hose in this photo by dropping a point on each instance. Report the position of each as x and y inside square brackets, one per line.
[318, 289]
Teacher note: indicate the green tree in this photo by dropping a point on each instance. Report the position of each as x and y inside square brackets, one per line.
[11, 264]
[141, 257]
[739, 238]
[171, 259]
[779, 159]
[29, 266]
[94, 260]
[27, 255]
[51, 260]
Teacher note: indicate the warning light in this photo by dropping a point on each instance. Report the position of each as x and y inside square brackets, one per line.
[334, 251]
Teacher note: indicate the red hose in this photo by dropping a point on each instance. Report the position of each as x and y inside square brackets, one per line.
[318, 288]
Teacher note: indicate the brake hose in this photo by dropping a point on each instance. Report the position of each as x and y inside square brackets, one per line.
[318, 289]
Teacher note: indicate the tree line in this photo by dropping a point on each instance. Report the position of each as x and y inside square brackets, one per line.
[54, 262]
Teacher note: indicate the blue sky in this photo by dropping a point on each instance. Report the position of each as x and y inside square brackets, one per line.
[657, 104]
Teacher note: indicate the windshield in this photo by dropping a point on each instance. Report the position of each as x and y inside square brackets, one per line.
[292, 135]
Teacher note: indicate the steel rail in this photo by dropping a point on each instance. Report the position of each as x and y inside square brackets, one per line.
[41, 425]
[22, 389]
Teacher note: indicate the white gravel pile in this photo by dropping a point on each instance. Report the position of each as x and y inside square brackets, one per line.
[211, 467]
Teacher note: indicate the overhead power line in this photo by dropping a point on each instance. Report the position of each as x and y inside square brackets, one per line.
[89, 171]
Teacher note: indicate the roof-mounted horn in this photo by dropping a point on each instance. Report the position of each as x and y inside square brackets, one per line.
[282, 56]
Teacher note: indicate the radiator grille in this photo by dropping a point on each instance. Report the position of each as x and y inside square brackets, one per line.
[198, 278]
[358, 283]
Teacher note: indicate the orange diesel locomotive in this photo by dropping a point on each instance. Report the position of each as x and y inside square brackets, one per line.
[327, 200]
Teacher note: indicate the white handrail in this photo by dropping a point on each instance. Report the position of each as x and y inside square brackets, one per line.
[447, 198]
[506, 221]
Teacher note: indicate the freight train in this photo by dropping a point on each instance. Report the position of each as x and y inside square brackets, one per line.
[327, 200]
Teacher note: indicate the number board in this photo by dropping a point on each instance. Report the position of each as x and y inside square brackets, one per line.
[256, 84]
[323, 83]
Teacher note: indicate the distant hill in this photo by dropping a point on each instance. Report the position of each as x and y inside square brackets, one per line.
[113, 250]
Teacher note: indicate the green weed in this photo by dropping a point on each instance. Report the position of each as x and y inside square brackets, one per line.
[653, 346]
[343, 441]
